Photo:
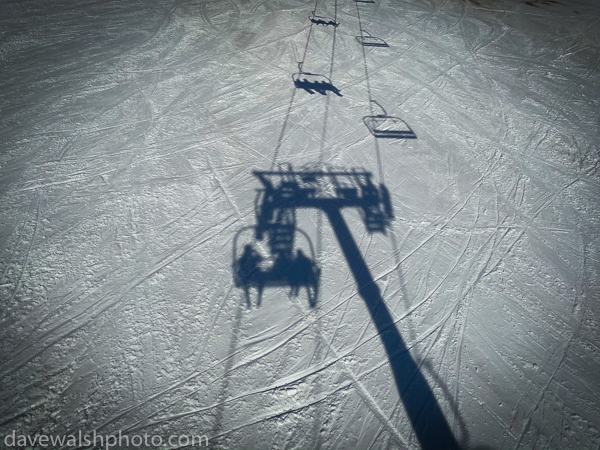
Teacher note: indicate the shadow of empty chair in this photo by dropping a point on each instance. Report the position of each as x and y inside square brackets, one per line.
[366, 40]
[386, 126]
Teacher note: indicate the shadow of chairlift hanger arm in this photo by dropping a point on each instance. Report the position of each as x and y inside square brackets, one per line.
[386, 126]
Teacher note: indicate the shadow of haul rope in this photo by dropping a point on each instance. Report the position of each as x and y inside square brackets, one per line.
[424, 413]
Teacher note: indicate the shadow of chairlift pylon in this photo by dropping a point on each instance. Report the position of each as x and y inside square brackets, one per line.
[330, 191]
[386, 126]
[320, 20]
[313, 82]
[370, 41]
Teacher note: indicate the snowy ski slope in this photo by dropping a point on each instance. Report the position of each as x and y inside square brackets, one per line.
[129, 132]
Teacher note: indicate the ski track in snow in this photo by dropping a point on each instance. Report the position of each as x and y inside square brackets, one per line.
[129, 136]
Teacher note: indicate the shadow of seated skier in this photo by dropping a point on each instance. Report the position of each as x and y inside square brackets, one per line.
[319, 86]
[325, 21]
[250, 273]
[306, 85]
[302, 273]
[322, 87]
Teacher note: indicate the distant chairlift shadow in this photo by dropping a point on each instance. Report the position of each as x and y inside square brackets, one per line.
[386, 126]
[320, 20]
[367, 40]
[364, 1]
[314, 82]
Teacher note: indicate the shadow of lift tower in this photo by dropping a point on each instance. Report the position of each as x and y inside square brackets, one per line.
[330, 191]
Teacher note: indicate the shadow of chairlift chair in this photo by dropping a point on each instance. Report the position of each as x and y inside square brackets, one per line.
[279, 269]
[313, 82]
[364, 1]
[320, 20]
[376, 209]
[386, 126]
[370, 41]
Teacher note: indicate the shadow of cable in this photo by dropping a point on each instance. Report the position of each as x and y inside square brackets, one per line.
[217, 427]
[424, 412]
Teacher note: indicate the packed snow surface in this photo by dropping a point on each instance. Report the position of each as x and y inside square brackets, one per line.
[129, 134]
